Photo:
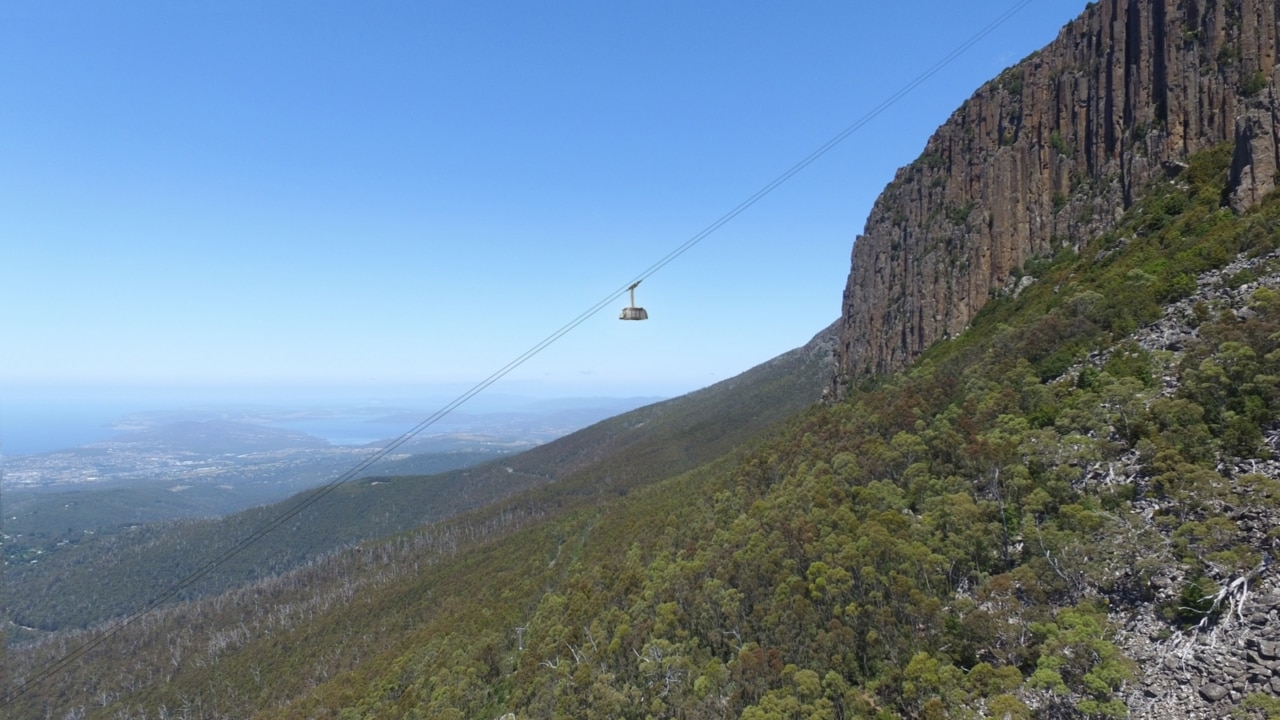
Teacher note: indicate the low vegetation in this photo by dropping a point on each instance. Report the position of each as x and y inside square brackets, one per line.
[951, 541]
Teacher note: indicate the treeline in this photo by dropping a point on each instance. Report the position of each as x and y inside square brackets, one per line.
[114, 575]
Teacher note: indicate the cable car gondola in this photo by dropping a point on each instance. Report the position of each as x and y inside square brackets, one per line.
[631, 312]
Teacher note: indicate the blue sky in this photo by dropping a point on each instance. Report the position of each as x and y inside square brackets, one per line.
[410, 194]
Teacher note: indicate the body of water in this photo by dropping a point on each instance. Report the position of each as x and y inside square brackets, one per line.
[29, 430]
[345, 431]
[29, 426]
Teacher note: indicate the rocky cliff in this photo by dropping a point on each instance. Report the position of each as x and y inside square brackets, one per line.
[1050, 153]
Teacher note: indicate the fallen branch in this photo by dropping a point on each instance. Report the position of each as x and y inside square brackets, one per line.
[1234, 595]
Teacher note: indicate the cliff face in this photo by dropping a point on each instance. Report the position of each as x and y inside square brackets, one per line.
[1050, 153]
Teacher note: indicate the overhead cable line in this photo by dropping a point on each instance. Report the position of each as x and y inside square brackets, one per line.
[318, 494]
[834, 141]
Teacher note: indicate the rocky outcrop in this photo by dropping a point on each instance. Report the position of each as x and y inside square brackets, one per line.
[1050, 153]
[1207, 671]
[1206, 674]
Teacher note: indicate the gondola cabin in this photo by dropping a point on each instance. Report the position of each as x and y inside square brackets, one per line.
[631, 312]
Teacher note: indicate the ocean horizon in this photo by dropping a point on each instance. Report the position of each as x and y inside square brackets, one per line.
[35, 429]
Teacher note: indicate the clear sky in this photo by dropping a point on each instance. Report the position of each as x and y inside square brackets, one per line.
[411, 194]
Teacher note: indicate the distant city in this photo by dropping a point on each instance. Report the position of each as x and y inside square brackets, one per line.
[289, 447]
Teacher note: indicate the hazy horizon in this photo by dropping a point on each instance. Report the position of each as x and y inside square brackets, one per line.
[34, 424]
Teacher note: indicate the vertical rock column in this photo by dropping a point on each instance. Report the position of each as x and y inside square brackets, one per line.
[1049, 154]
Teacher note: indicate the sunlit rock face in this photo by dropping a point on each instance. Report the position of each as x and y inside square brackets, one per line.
[1050, 153]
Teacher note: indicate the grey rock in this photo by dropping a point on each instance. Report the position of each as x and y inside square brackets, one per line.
[1253, 165]
[1213, 692]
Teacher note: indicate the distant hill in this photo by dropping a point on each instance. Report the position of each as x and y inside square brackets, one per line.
[90, 579]
[675, 435]
[172, 468]
[218, 437]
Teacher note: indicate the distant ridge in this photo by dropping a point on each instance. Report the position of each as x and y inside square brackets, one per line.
[684, 432]
[216, 437]
[105, 577]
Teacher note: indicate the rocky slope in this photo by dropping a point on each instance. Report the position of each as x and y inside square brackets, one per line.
[1210, 670]
[1050, 153]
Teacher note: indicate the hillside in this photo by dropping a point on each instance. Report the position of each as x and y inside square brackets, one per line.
[1048, 487]
[1065, 512]
[77, 584]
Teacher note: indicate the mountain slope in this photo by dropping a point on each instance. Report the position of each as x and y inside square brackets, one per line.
[993, 533]
[1065, 508]
[77, 585]
[1033, 521]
